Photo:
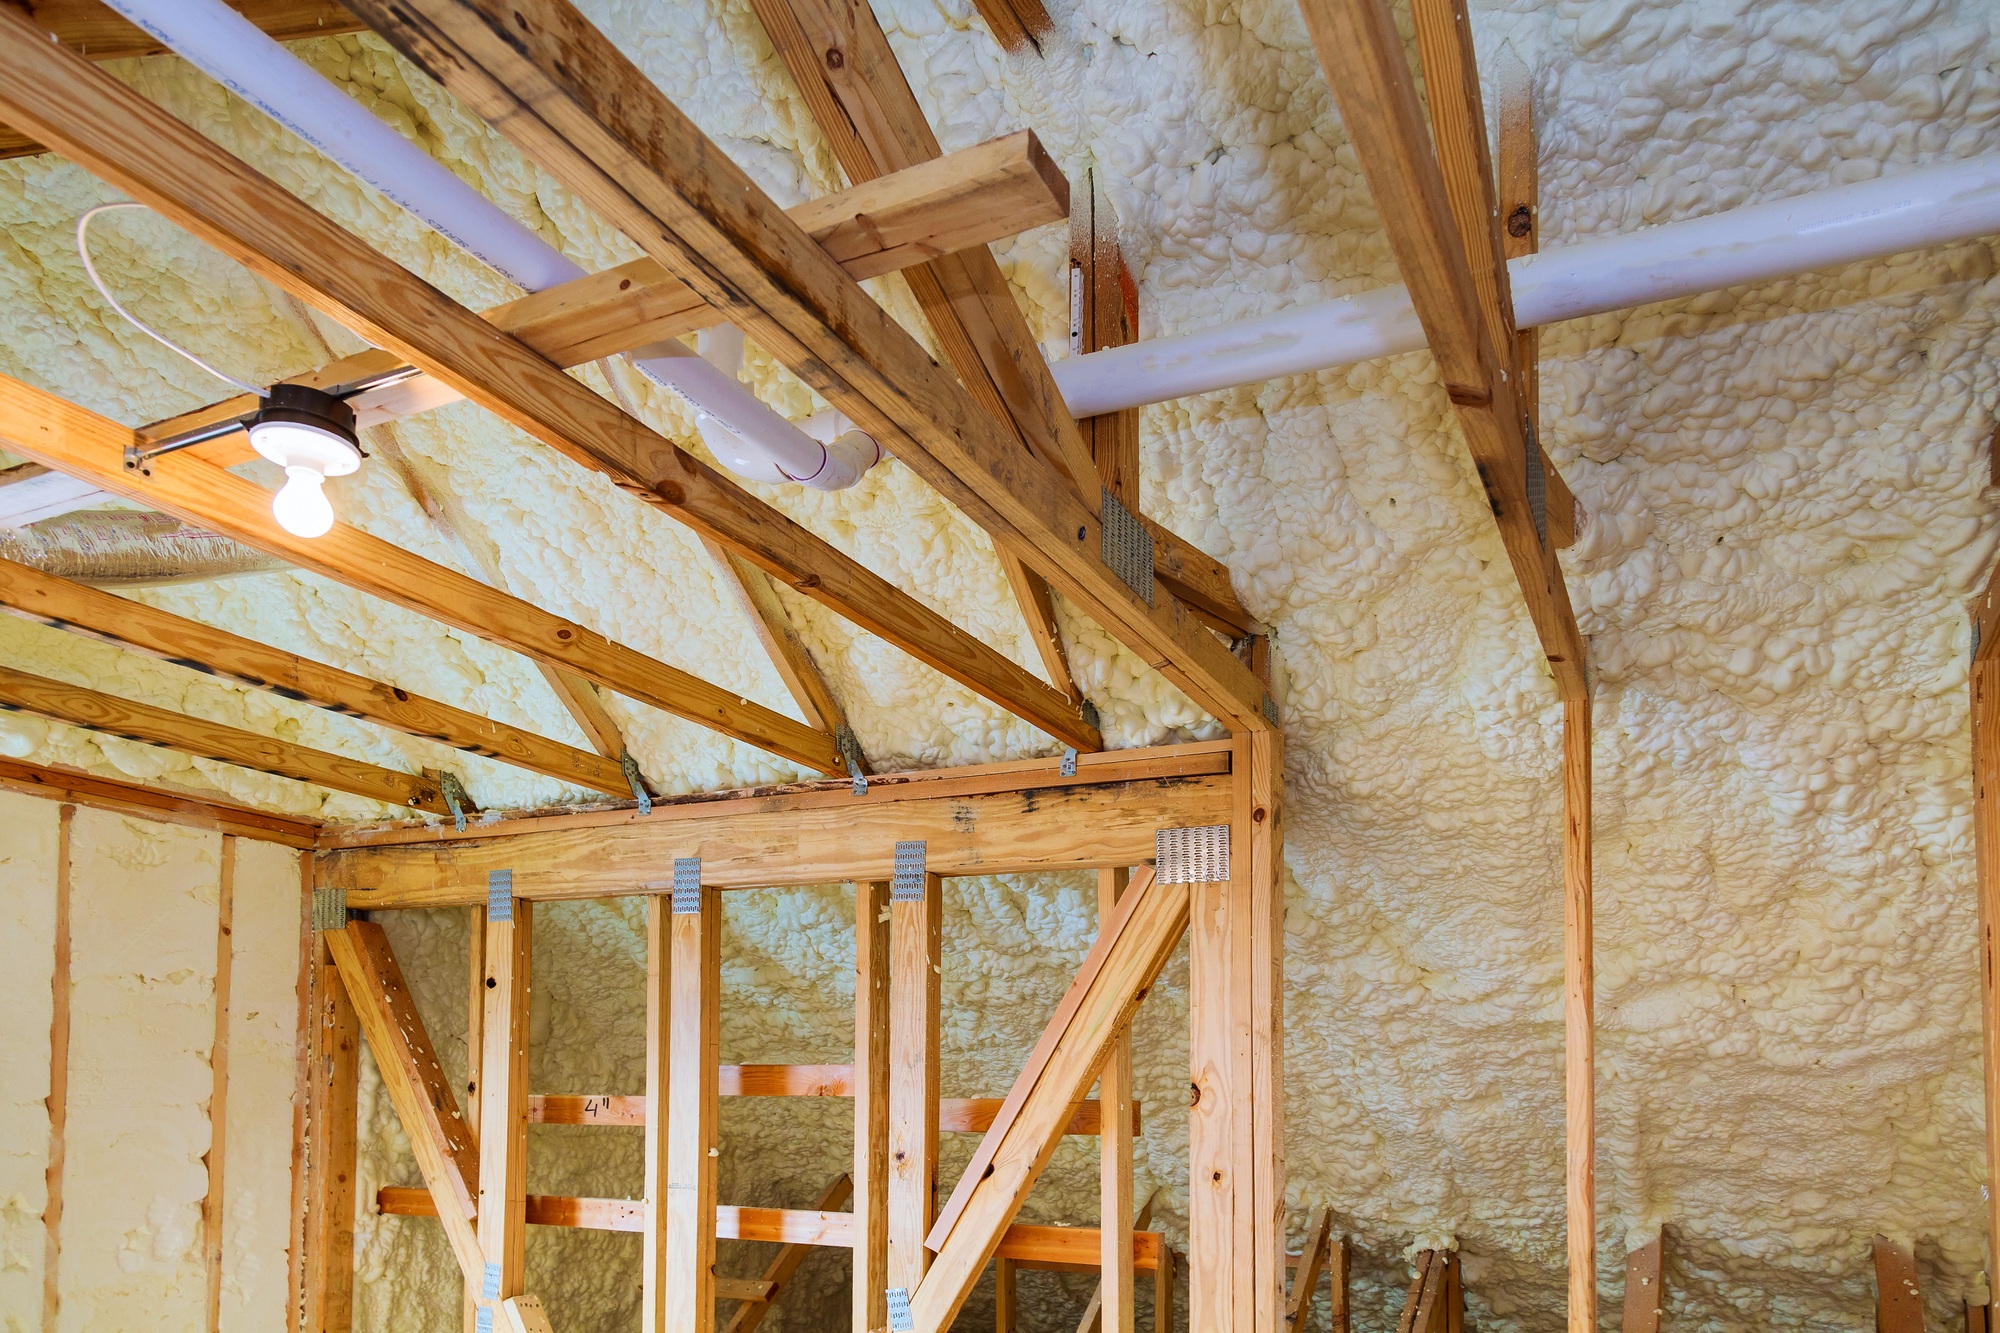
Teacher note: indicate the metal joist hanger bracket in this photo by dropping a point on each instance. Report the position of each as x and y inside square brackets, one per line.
[907, 886]
[1198, 855]
[1127, 547]
[687, 884]
[499, 895]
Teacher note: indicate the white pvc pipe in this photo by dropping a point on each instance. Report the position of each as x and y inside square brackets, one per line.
[1935, 205]
[754, 441]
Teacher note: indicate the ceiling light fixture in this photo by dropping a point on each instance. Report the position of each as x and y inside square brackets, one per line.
[310, 435]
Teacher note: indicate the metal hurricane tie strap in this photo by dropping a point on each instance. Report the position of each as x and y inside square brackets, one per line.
[1198, 855]
[636, 781]
[899, 1311]
[1538, 485]
[1128, 547]
[687, 884]
[329, 909]
[908, 884]
[499, 895]
[850, 754]
[455, 798]
[1069, 762]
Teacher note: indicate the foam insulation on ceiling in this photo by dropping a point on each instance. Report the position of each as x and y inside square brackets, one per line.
[1787, 503]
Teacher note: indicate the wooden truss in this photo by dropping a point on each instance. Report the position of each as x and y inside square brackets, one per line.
[1200, 823]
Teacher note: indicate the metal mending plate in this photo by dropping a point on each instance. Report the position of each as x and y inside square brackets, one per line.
[1198, 855]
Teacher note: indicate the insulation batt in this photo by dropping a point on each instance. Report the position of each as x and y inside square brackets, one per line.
[1787, 497]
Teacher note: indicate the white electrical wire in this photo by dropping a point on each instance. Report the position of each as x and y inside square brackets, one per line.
[90, 269]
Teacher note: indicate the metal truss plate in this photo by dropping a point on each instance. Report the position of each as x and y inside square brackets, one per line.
[499, 895]
[1198, 855]
[908, 885]
[1128, 547]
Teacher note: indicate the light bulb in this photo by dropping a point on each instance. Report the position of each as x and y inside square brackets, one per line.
[301, 506]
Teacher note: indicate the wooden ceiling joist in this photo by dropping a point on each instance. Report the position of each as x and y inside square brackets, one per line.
[61, 435]
[873, 124]
[158, 804]
[94, 710]
[40, 597]
[133, 144]
[94, 30]
[1369, 75]
[543, 76]
[980, 194]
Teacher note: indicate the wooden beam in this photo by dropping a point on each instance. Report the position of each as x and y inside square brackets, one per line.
[58, 1098]
[1985, 691]
[1424, 1307]
[94, 29]
[1899, 1304]
[542, 75]
[503, 1094]
[1579, 1027]
[1519, 209]
[94, 710]
[414, 1079]
[659, 1051]
[967, 198]
[783, 840]
[1362, 54]
[1093, 1310]
[1104, 312]
[84, 444]
[167, 807]
[1018, 25]
[1298, 1301]
[1340, 1262]
[1055, 1249]
[755, 595]
[916, 926]
[956, 1115]
[216, 1159]
[873, 123]
[475, 1056]
[120, 136]
[1645, 1285]
[1236, 1135]
[688, 1268]
[1114, 1160]
[1121, 966]
[333, 1078]
[45, 599]
[779, 1271]
[869, 1085]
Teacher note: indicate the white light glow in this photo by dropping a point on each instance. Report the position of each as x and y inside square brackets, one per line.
[302, 508]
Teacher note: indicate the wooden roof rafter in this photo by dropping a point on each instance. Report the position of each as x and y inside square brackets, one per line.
[130, 142]
[1369, 75]
[546, 78]
[92, 613]
[61, 435]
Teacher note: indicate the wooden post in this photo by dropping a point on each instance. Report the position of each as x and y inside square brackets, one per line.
[1579, 1035]
[1986, 841]
[659, 1008]
[1163, 1293]
[218, 1098]
[1104, 312]
[916, 923]
[1899, 1305]
[1006, 1312]
[1340, 1262]
[1976, 1318]
[475, 1050]
[1298, 1302]
[1236, 1255]
[503, 1094]
[688, 1268]
[1645, 1286]
[1114, 1194]
[331, 1118]
[58, 1104]
[871, 1105]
